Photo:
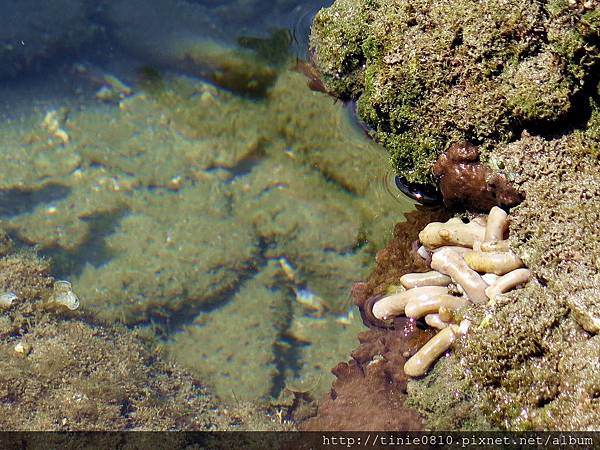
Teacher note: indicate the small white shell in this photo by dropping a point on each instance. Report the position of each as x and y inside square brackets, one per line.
[22, 349]
[6, 299]
[62, 285]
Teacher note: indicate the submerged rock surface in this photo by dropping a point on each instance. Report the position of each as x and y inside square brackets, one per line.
[169, 203]
[60, 372]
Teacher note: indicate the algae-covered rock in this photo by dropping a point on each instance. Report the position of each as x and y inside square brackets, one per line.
[427, 74]
[519, 80]
[59, 372]
[235, 346]
[168, 261]
[531, 359]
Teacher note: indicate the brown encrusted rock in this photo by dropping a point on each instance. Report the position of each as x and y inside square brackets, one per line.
[465, 182]
[370, 389]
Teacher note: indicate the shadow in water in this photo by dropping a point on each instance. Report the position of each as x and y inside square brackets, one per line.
[70, 264]
[14, 202]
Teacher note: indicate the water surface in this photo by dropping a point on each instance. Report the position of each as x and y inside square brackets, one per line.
[183, 176]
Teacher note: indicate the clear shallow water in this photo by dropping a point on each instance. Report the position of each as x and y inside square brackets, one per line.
[184, 183]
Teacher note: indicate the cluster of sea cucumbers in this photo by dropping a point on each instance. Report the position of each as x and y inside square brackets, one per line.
[471, 263]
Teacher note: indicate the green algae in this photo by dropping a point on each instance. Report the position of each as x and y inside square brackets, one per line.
[170, 203]
[60, 372]
[429, 74]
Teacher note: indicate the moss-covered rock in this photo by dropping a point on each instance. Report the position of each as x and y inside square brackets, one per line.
[531, 359]
[427, 74]
[60, 372]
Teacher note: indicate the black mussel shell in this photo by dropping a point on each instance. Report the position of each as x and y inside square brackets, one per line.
[425, 194]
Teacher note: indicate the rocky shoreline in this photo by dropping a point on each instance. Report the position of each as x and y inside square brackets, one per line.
[520, 80]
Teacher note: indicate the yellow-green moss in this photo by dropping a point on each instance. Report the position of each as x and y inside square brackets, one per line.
[429, 73]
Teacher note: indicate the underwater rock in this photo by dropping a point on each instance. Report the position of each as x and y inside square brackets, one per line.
[185, 36]
[325, 262]
[83, 201]
[234, 348]
[426, 75]
[167, 259]
[58, 372]
[146, 238]
[466, 182]
[33, 32]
